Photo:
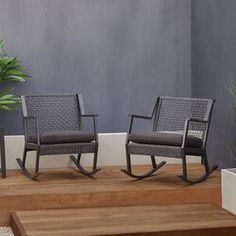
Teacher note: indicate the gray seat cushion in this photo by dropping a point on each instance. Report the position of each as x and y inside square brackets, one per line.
[159, 138]
[70, 136]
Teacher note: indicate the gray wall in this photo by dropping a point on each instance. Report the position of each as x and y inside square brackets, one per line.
[120, 54]
[213, 63]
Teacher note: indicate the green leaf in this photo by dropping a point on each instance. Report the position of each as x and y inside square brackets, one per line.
[13, 77]
[7, 102]
[3, 107]
[6, 97]
[6, 91]
[10, 70]
[9, 108]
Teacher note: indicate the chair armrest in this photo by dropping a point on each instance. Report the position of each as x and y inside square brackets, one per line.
[89, 115]
[197, 120]
[140, 116]
[186, 129]
[94, 116]
[132, 116]
[31, 127]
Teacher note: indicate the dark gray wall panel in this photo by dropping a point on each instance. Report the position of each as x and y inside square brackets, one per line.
[213, 63]
[120, 54]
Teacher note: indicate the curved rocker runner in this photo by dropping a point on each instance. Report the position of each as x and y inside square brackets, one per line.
[147, 174]
[82, 169]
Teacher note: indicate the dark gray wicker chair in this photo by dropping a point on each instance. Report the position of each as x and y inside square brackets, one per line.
[180, 128]
[52, 125]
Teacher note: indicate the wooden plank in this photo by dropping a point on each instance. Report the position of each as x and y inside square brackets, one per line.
[185, 219]
[65, 188]
[17, 226]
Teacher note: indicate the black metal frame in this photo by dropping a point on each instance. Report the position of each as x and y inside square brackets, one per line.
[184, 150]
[202, 152]
[77, 159]
[41, 149]
[3, 156]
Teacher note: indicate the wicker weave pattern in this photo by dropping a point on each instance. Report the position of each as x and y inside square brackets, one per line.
[70, 148]
[53, 112]
[30, 125]
[156, 150]
[172, 113]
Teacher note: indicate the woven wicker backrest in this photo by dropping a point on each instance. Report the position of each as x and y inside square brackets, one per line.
[53, 112]
[172, 112]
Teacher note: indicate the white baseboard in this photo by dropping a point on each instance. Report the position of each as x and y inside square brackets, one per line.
[111, 153]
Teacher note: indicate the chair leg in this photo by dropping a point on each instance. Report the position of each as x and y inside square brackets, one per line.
[202, 161]
[78, 158]
[128, 162]
[82, 169]
[184, 165]
[205, 163]
[24, 156]
[150, 173]
[3, 155]
[37, 162]
[25, 171]
[202, 178]
[95, 159]
[154, 164]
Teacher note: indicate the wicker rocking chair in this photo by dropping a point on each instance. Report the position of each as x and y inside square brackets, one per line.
[52, 125]
[180, 128]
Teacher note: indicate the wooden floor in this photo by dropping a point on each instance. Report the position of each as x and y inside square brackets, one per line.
[173, 220]
[66, 188]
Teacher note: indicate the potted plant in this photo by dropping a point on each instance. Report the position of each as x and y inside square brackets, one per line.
[229, 175]
[10, 70]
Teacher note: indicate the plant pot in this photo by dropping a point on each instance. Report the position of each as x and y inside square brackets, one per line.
[228, 183]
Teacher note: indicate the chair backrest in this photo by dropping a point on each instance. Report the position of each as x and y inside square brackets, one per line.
[54, 112]
[172, 112]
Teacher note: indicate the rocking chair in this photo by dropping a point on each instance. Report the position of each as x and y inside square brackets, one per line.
[52, 125]
[180, 128]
